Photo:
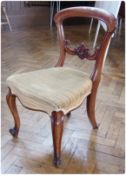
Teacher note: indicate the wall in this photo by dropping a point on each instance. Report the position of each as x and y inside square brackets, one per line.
[22, 16]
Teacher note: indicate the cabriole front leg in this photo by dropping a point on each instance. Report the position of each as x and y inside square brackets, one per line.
[57, 120]
[11, 101]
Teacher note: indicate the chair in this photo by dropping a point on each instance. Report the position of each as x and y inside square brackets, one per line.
[59, 90]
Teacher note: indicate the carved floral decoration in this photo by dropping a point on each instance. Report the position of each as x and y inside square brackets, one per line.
[82, 51]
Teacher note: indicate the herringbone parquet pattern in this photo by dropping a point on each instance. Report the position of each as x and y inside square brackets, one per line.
[84, 150]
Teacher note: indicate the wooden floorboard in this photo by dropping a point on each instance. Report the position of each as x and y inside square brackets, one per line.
[84, 150]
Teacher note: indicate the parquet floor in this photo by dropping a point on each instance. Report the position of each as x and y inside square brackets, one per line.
[84, 150]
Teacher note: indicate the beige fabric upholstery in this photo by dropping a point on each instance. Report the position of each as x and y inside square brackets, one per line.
[52, 89]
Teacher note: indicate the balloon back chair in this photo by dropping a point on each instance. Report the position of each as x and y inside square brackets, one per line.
[59, 90]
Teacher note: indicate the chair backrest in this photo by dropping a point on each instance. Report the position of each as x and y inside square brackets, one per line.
[82, 51]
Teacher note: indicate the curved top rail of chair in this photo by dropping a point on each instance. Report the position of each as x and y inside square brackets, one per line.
[93, 12]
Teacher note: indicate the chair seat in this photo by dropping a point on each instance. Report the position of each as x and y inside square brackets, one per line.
[53, 89]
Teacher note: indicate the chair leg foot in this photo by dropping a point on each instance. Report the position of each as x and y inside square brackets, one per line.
[57, 161]
[96, 127]
[57, 120]
[14, 132]
[11, 101]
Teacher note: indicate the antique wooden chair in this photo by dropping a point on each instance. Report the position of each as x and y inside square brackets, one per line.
[59, 90]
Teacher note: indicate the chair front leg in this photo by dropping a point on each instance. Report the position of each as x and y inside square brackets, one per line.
[91, 108]
[57, 120]
[11, 101]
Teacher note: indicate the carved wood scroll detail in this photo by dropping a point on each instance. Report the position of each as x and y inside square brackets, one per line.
[82, 51]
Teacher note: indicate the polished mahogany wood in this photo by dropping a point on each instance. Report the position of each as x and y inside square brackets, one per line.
[11, 101]
[57, 120]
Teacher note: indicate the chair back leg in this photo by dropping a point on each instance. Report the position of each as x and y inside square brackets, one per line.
[91, 108]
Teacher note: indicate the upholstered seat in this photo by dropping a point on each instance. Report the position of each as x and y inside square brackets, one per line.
[53, 89]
